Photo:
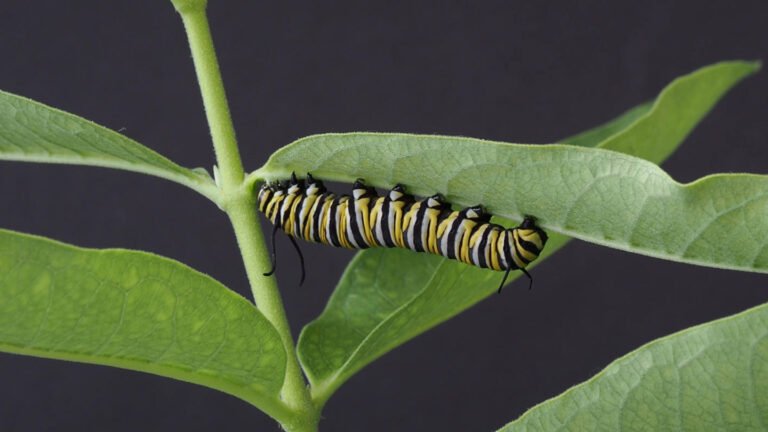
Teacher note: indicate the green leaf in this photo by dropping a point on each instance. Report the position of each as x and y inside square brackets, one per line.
[712, 377]
[592, 194]
[593, 137]
[678, 110]
[137, 311]
[33, 132]
[382, 301]
[387, 297]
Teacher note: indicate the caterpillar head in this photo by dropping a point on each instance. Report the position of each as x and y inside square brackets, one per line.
[530, 233]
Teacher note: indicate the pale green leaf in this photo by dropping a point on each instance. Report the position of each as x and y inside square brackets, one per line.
[713, 377]
[33, 132]
[387, 297]
[592, 194]
[137, 311]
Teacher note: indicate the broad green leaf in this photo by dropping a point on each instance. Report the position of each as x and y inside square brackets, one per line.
[713, 377]
[137, 311]
[382, 301]
[592, 194]
[33, 132]
[387, 297]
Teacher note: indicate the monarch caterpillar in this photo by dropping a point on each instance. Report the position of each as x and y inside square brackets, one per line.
[305, 209]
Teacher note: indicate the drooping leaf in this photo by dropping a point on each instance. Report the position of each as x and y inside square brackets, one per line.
[33, 132]
[373, 311]
[712, 377]
[137, 311]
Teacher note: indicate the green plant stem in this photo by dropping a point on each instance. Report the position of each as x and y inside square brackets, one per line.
[267, 296]
[214, 97]
[239, 203]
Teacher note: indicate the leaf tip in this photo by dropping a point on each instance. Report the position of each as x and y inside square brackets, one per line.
[752, 66]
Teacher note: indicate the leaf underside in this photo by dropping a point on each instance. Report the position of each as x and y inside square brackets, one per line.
[387, 297]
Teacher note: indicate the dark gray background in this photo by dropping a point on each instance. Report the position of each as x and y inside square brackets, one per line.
[511, 71]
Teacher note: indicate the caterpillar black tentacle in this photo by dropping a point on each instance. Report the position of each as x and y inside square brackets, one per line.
[274, 253]
[305, 209]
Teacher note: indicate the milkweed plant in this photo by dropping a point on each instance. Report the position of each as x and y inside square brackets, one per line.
[140, 311]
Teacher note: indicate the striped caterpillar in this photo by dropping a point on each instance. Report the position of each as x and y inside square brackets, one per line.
[306, 210]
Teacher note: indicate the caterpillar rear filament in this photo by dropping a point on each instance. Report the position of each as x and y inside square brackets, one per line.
[305, 209]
